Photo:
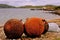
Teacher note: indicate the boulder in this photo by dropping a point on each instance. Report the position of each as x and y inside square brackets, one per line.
[53, 27]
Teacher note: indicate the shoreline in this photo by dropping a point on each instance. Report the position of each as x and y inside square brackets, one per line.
[47, 36]
[57, 20]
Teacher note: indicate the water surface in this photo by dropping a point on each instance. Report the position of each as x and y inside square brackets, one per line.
[19, 13]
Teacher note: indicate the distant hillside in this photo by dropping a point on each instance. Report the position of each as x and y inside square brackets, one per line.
[6, 6]
[30, 6]
[45, 6]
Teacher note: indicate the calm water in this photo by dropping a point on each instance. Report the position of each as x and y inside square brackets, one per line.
[6, 14]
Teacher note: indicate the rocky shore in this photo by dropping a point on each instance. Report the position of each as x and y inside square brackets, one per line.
[57, 21]
[57, 12]
[47, 36]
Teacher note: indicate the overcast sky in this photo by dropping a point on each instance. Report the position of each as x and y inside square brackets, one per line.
[29, 2]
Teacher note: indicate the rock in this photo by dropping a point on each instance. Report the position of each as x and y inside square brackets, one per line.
[53, 27]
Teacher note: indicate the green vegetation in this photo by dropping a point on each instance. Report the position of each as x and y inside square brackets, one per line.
[51, 7]
[54, 7]
[6, 6]
[58, 7]
[57, 39]
[45, 7]
[28, 6]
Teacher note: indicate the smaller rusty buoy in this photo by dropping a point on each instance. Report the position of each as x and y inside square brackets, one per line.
[34, 27]
[13, 28]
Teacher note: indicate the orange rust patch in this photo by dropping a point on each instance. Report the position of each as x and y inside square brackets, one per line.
[13, 28]
[34, 26]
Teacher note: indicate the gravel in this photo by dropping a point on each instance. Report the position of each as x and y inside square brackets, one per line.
[47, 36]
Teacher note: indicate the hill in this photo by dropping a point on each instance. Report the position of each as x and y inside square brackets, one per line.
[6, 6]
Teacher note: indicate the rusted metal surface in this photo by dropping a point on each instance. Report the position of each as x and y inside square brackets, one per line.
[46, 26]
[34, 27]
[13, 28]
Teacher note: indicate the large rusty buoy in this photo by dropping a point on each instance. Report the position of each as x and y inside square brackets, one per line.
[46, 26]
[34, 27]
[13, 28]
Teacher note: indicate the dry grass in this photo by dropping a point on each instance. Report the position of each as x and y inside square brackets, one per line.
[55, 21]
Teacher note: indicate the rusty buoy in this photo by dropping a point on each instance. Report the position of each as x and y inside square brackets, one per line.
[34, 27]
[13, 28]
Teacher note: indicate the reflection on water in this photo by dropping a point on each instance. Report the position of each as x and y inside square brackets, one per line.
[6, 14]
